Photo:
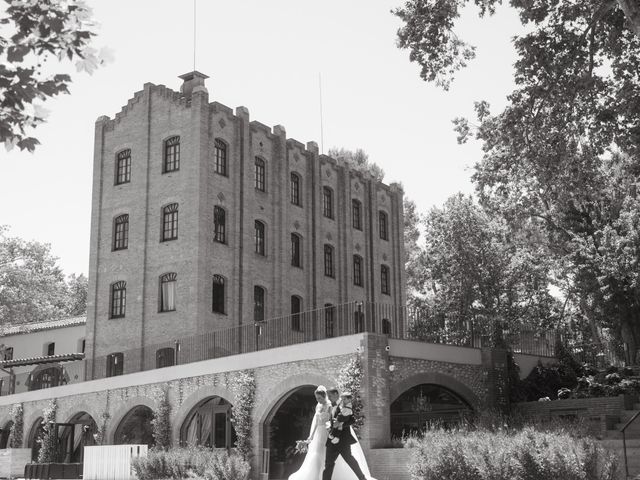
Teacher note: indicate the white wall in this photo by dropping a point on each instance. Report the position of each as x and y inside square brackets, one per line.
[435, 352]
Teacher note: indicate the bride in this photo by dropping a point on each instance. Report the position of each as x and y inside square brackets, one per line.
[313, 464]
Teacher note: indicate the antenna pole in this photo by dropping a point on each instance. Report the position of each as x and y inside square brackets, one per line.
[321, 126]
[194, 35]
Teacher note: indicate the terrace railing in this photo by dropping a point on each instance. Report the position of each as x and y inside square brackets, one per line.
[399, 322]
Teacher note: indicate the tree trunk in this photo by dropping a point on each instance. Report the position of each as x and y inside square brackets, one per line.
[631, 9]
[629, 337]
[588, 312]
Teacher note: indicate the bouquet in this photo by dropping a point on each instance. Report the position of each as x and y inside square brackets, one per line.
[301, 446]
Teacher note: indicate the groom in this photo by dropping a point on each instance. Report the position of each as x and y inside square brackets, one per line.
[345, 439]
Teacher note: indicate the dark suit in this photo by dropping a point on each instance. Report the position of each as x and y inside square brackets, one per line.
[343, 447]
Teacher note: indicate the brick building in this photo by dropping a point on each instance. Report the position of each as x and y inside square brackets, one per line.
[203, 219]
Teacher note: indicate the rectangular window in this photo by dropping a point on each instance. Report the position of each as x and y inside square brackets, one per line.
[358, 320]
[123, 167]
[219, 225]
[220, 152]
[384, 234]
[51, 349]
[329, 320]
[384, 279]
[121, 232]
[356, 208]
[115, 364]
[295, 189]
[296, 259]
[168, 283]
[170, 222]
[8, 353]
[218, 294]
[357, 270]
[260, 174]
[328, 261]
[296, 308]
[259, 237]
[172, 155]
[258, 304]
[327, 202]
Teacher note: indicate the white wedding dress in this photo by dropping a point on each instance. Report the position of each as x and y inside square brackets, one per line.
[313, 464]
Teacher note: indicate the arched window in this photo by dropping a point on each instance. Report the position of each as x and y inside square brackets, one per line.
[168, 292]
[328, 261]
[121, 232]
[356, 214]
[259, 237]
[171, 155]
[296, 250]
[115, 364]
[209, 425]
[357, 270]
[296, 308]
[135, 428]
[258, 303]
[426, 404]
[295, 189]
[384, 280]
[220, 152]
[118, 299]
[260, 174]
[386, 326]
[170, 222]
[329, 320]
[123, 167]
[47, 378]
[165, 357]
[382, 223]
[219, 225]
[327, 202]
[218, 294]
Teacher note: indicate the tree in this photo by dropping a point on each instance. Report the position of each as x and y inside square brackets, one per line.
[477, 275]
[31, 32]
[562, 159]
[357, 160]
[32, 285]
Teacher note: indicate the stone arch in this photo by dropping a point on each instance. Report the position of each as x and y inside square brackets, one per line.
[202, 393]
[30, 439]
[79, 434]
[276, 396]
[69, 412]
[435, 378]
[136, 427]
[121, 410]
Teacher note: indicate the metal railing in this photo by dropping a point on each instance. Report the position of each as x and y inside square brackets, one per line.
[398, 322]
[624, 442]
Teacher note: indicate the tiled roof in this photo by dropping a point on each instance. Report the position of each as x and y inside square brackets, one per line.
[21, 362]
[37, 327]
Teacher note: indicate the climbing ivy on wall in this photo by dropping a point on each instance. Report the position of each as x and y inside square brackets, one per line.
[350, 380]
[47, 442]
[245, 390]
[17, 427]
[161, 423]
[102, 428]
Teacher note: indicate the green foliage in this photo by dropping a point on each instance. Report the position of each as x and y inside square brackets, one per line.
[39, 31]
[161, 422]
[102, 428]
[357, 160]
[16, 434]
[350, 380]
[33, 285]
[48, 441]
[560, 162]
[509, 455]
[191, 462]
[245, 386]
[477, 275]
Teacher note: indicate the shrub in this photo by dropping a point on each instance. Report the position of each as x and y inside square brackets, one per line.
[543, 381]
[191, 462]
[504, 455]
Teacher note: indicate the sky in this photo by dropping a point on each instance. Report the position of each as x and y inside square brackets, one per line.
[266, 56]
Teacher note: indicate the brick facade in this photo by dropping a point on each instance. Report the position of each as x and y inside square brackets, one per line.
[157, 113]
[274, 383]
